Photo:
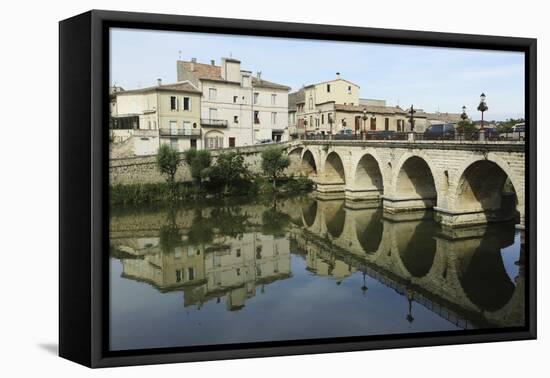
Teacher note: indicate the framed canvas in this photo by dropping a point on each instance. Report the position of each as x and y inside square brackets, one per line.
[237, 188]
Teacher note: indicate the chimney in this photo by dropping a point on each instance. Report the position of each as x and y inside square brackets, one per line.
[337, 75]
[213, 62]
[193, 61]
[259, 75]
[159, 82]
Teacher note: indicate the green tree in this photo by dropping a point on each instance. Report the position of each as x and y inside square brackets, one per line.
[274, 163]
[229, 170]
[167, 163]
[199, 163]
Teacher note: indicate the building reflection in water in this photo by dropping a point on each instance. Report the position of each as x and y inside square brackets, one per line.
[231, 252]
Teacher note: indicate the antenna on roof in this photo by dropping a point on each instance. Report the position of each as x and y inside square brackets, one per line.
[230, 54]
[179, 55]
[398, 101]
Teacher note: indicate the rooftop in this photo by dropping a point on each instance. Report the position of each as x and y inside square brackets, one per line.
[213, 72]
[182, 86]
[371, 109]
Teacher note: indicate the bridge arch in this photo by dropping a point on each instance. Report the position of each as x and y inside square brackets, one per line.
[335, 217]
[334, 168]
[309, 164]
[485, 185]
[295, 159]
[368, 174]
[414, 179]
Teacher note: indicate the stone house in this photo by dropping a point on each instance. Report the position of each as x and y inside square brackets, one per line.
[237, 108]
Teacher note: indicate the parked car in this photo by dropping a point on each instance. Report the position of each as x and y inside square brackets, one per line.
[381, 134]
[517, 133]
[440, 131]
[264, 141]
[344, 134]
[490, 134]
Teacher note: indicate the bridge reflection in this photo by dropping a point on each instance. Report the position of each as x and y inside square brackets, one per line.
[232, 252]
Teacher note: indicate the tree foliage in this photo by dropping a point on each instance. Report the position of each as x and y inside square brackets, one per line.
[199, 163]
[229, 170]
[274, 163]
[167, 162]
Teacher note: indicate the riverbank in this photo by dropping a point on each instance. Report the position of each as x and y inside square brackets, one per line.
[161, 193]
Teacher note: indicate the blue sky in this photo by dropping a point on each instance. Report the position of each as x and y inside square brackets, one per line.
[430, 78]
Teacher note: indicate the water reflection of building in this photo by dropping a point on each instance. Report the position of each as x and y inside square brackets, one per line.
[230, 267]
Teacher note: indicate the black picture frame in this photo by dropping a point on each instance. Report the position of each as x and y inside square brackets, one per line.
[83, 181]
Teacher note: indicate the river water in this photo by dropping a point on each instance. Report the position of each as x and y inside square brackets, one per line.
[252, 270]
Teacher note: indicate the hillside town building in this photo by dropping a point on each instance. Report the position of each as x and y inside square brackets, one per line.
[326, 108]
[237, 108]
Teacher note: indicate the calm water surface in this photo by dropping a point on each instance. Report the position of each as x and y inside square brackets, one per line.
[300, 268]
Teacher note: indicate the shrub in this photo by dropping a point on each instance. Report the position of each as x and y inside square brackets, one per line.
[274, 163]
[199, 164]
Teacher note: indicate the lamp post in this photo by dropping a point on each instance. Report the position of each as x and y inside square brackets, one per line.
[330, 122]
[411, 118]
[463, 117]
[319, 121]
[482, 107]
[305, 128]
[365, 123]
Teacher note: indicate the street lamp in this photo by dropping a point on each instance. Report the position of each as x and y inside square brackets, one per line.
[365, 122]
[464, 117]
[330, 122]
[412, 110]
[482, 107]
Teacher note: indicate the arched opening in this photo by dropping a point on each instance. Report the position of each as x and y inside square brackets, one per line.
[484, 186]
[415, 180]
[335, 217]
[368, 175]
[334, 169]
[309, 212]
[295, 161]
[417, 246]
[309, 167]
[369, 231]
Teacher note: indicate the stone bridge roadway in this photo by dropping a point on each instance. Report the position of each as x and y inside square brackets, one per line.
[465, 182]
[449, 277]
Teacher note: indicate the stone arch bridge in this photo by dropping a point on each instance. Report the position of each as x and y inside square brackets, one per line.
[466, 183]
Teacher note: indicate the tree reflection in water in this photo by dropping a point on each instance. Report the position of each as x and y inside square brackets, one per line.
[459, 277]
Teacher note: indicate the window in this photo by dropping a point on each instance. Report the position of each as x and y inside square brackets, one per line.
[273, 99]
[373, 123]
[231, 141]
[235, 119]
[256, 117]
[349, 89]
[178, 275]
[328, 88]
[186, 103]
[311, 102]
[273, 118]
[256, 97]
[235, 98]
[212, 94]
[149, 125]
[173, 103]
[238, 252]
[386, 124]
[322, 119]
[187, 126]
[213, 142]
[193, 144]
[212, 113]
[190, 274]
[174, 144]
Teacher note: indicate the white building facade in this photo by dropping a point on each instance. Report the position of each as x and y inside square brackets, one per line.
[237, 108]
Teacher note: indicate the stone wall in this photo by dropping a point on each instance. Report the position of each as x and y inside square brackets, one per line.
[142, 169]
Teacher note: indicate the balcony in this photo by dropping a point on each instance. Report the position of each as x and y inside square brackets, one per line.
[218, 123]
[180, 132]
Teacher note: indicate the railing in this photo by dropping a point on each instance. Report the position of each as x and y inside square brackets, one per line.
[179, 132]
[222, 123]
[477, 136]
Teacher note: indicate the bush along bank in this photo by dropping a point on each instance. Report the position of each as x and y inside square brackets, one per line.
[228, 175]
